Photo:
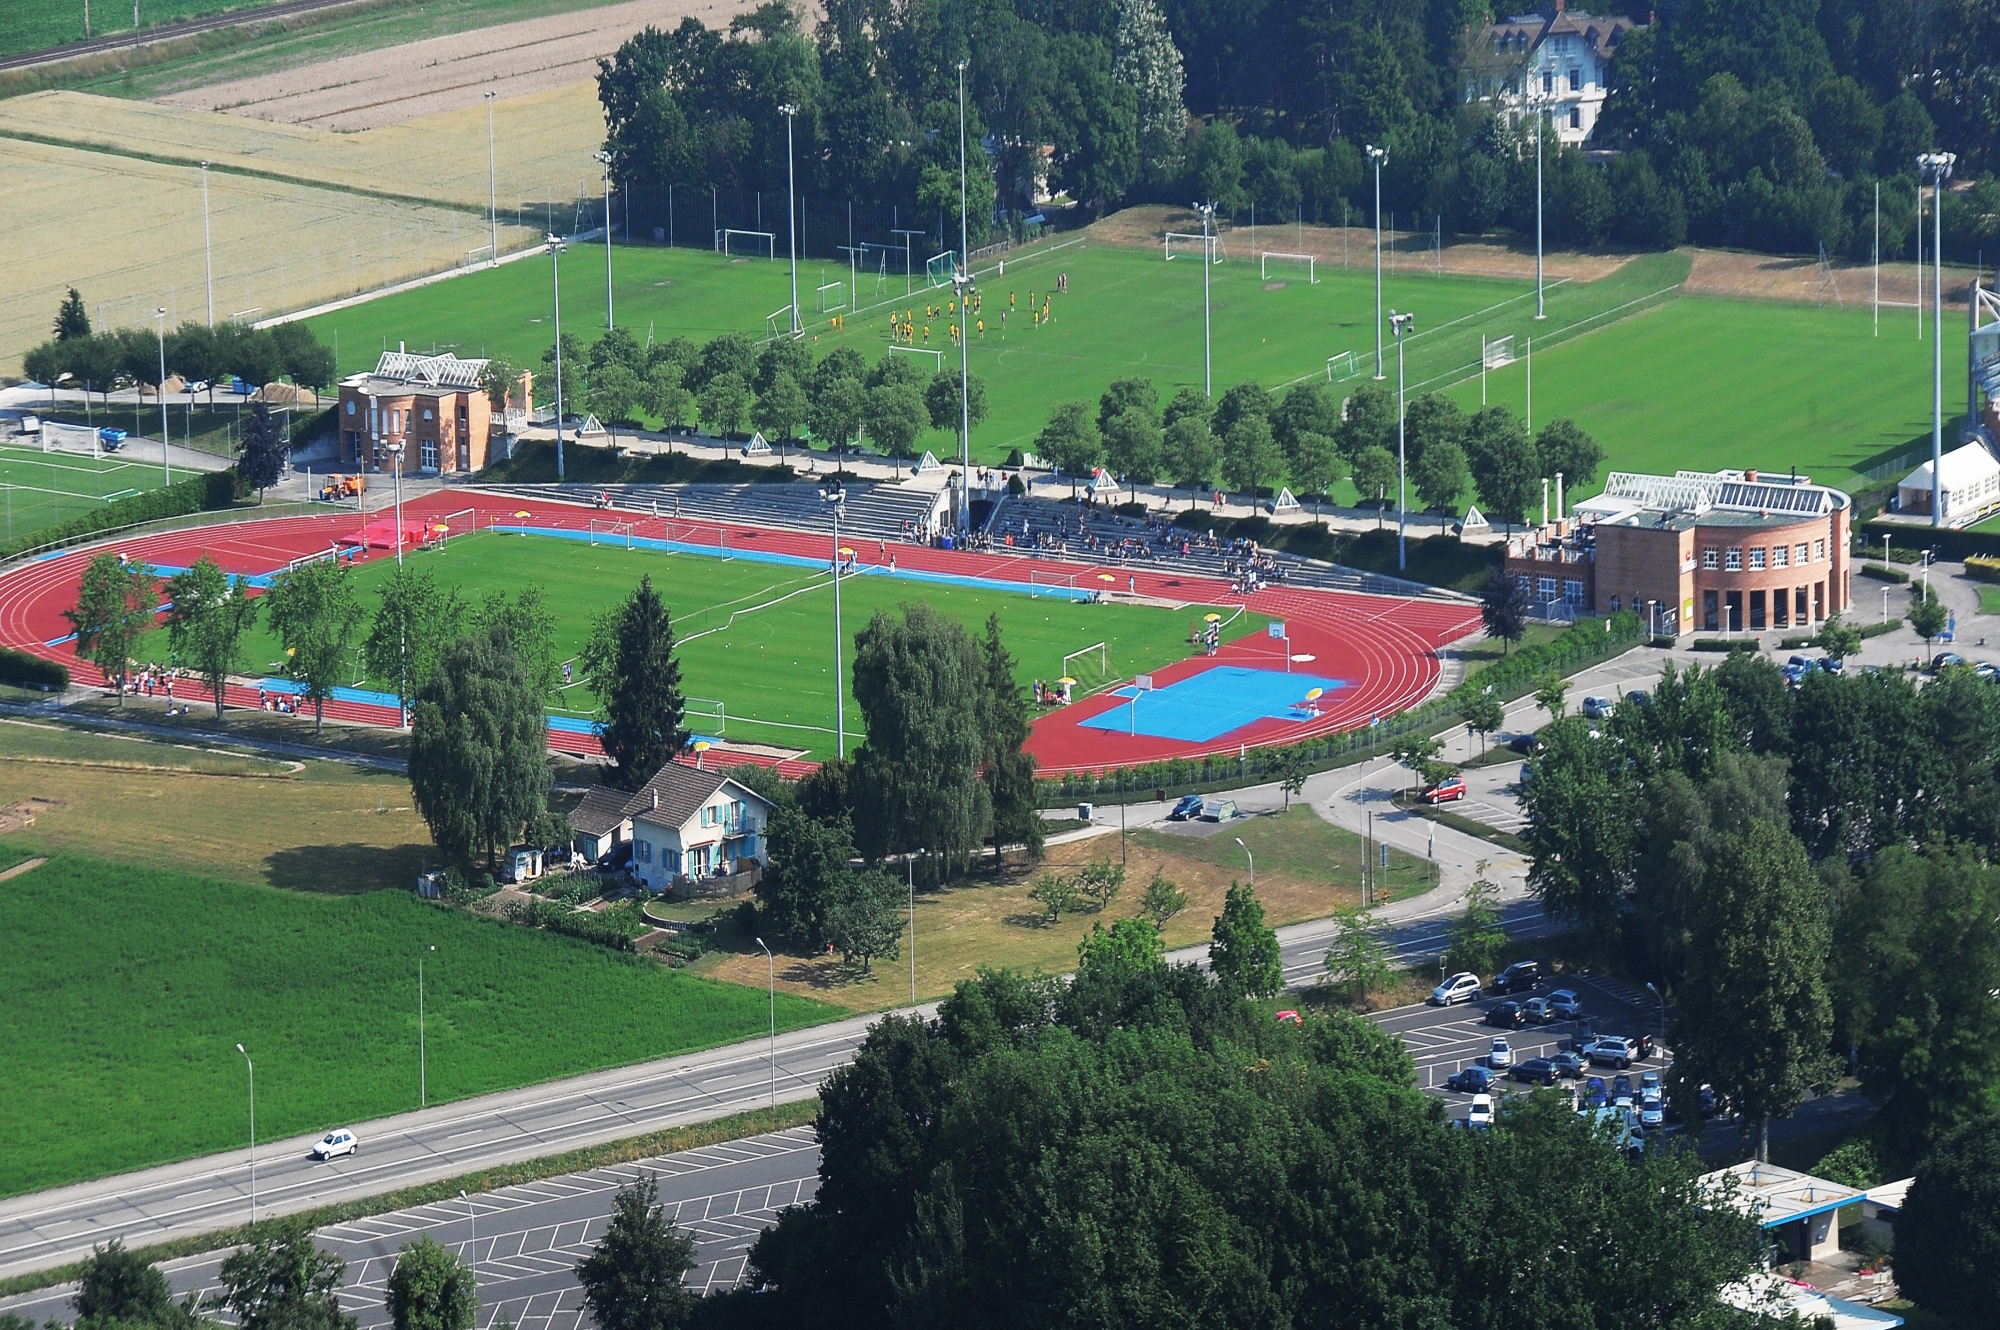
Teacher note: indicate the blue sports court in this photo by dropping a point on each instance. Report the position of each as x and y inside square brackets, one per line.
[1214, 702]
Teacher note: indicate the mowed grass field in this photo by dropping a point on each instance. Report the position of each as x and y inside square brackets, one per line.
[41, 489]
[129, 989]
[1663, 380]
[758, 637]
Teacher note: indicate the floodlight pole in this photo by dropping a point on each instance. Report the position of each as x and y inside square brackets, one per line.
[396, 451]
[604, 158]
[771, 975]
[1540, 313]
[1937, 165]
[555, 248]
[964, 284]
[492, 184]
[836, 497]
[1376, 155]
[1253, 862]
[1400, 324]
[1207, 211]
[790, 112]
[207, 253]
[166, 453]
[251, 1068]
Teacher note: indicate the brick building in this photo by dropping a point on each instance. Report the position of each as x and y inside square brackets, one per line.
[435, 406]
[1728, 551]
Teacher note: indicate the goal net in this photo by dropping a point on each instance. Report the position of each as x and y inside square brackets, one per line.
[604, 531]
[1497, 353]
[1089, 666]
[730, 243]
[1271, 256]
[453, 525]
[705, 715]
[936, 356]
[1177, 244]
[1062, 586]
[58, 437]
[832, 296]
[941, 268]
[1342, 367]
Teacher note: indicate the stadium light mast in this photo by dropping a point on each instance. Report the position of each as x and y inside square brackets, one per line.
[1207, 211]
[834, 496]
[207, 252]
[1400, 324]
[963, 281]
[604, 159]
[555, 247]
[1937, 166]
[1539, 106]
[1376, 155]
[492, 183]
[166, 455]
[396, 451]
[791, 221]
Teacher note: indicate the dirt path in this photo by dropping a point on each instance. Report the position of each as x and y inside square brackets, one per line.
[25, 866]
[450, 73]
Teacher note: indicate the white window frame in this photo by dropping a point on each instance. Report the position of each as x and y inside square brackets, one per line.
[1732, 561]
[1756, 558]
[1711, 557]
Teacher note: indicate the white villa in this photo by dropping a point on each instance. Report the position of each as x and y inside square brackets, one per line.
[1553, 59]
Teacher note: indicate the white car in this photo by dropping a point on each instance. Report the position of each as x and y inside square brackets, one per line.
[336, 1143]
[1461, 987]
[1501, 1055]
[1482, 1112]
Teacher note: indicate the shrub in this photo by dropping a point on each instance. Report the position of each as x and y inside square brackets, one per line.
[1883, 574]
[1728, 644]
[26, 671]
[1983, 567]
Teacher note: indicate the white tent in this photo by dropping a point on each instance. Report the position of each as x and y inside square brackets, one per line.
[1971, 483]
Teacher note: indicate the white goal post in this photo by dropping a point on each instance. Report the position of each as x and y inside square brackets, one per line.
[709, 711]
[604, 530]
[1102, 650]
[840, 301]
[920, 351]
[727, 238]
[1342, 367]
[61, 437]
[941, 268]
[1192, 243]
[1497, 353]
[1311, 262]
[1060, 585]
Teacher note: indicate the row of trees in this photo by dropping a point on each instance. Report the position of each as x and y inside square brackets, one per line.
[1310, 438]
[126, 357]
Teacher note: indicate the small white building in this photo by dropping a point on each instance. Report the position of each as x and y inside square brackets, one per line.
[1971, 479]
[1553, 59]
[690, 825]
[1799, 1212]
[601, 823]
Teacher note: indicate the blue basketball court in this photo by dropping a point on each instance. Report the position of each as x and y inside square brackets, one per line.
[1212, 703]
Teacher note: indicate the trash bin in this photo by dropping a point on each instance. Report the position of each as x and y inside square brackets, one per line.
[1083, 812]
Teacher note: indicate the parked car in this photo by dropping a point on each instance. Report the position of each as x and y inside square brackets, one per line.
[1614, 1050]
[617, 857]
[1481, 1115]
[1793, 674]
[1527, 776]
[340, 1141]
[1445, 792]
[1598, 708]
[1520, 977]
[1535, 1011]
[1649, 1085]
[1652, 1112]
[1944, 660]
[1470, 1080]
[1500, 1053]
[1639, 697]
[1565, 1005]
[1987, 670]
[1507, 1016]
[1568, 1065]
[1645, 1046]
[1833, 665]
[1621, 1090]
[1189, 807]
[1593, 1092]
[1541, 1071]
[1525, 743]
[1461, 987]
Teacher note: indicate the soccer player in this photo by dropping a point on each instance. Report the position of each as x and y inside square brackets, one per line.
[982, 330]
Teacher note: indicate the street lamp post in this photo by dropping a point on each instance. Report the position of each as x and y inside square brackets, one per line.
[910, 863]
[207, 252]
[1400, 324]
[835, 497]
[771, 975]
[790, 112]
[396, 451]
[1207, 213]
[1253, 862]
[423, 1068]
[251, 1068]
[963, 281]
[604, 159]
[1937, 167]
[166, 453]
[492, 184]
[472, 1217]
[1540, 313]
[1377, 156]
[555, 248]
[1663, 1009]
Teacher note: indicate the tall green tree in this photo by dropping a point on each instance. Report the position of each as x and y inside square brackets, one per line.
[633, 1278]
[119, 1289]
[1250, 456]
[722, 401]
[863, 923]
[1357, 960]
[430, 1288]
[1753, 1016]
[1191, 454]
[531, 633]
[1132, 447]
[1438, 475]
[314, 611]
[1243, 949]
[479, 770]
[1374, 473]
[1947, 1245]
[114, 608]
[1579, 830]
[1474, 939]
[806, 872]
[921, 685]
[1127, 394]
[1314, 465]
[72, 319]
[1070, 442]
[1928, 615]
[1563, 447]
[630, 662]
[412, 627]
[1005, 764]
[208, 615]
[1503, 462]
[941, 401]
[260, 458]
[781, 407]
[1482, 710]
[895, 416]
[283, 1282]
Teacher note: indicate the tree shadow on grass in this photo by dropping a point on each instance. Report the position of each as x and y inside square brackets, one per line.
[823, 973]
[348, 870]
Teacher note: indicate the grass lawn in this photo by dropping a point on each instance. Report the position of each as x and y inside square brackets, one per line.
[130, 987]
[772, 668]
[1989, 600]
[45, 489]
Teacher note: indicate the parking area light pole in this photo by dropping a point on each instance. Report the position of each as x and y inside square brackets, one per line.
[771, 975]
[423, 1069]
[251, 1068]
[1253, 862]
[555, 248]
[1663, 1009]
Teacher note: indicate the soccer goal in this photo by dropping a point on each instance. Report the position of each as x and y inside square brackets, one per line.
[1060, 585]
[605, 531]
[453, 525]
[1080, 669]
[1342, 367]
[1496, 354]
[937, 356]
[772, 325]
[1312, 264]
[1191, 244]
[705, 715]
[941, 268]
[832, 297]
[728, 241]
[59, 437]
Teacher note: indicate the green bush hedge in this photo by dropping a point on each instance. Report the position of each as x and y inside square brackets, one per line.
[1723, 644]
[1983, 567]
[604, 930]
[1882, 574]
[25, 671]
[196, 494]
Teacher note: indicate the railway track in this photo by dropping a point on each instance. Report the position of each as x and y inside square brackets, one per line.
[192, 27]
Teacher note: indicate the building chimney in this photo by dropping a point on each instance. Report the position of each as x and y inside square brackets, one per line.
[1562, 513]
[1750, 476]
[402, 347]
[1545, 500]
[656, 800]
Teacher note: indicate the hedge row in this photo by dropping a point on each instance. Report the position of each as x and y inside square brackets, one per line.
[1514, 675]
[560, 918]
[25, 671]
[196, 494]
[1983, 567]
[1883, 574]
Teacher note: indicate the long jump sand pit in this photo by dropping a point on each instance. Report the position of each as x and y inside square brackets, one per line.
[376, 88]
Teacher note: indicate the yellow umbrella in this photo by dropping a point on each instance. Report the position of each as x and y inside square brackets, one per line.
[846, 550]
[1106, 577]
[440, 527]
[702, 746]
[522, 512]
[1066, 680]
[1212, 618]
[1314, 693]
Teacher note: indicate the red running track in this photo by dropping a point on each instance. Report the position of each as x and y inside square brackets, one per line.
[1383, 647]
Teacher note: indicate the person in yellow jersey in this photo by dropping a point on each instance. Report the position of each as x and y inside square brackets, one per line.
[1010, 300]
[982, 327]
[927, 334]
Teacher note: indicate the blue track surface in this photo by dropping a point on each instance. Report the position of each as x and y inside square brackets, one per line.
[1212, 703]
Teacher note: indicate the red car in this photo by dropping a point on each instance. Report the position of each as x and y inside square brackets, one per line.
[1445, 792]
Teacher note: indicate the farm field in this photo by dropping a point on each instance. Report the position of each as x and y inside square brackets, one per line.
[1661, 378]
[41, 489]
[773, 668]
[34, 25]
[130, 988]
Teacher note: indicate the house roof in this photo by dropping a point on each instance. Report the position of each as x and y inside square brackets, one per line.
[601, 810]
[1773, 1195]
[1600, 33]
[1962, 468]
[678, 792]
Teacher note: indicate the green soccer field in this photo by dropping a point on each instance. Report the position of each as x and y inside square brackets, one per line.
[758, 637]
[46, 489]
[1662, 379]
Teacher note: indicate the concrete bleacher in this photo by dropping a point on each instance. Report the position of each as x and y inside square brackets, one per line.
[870, 511]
